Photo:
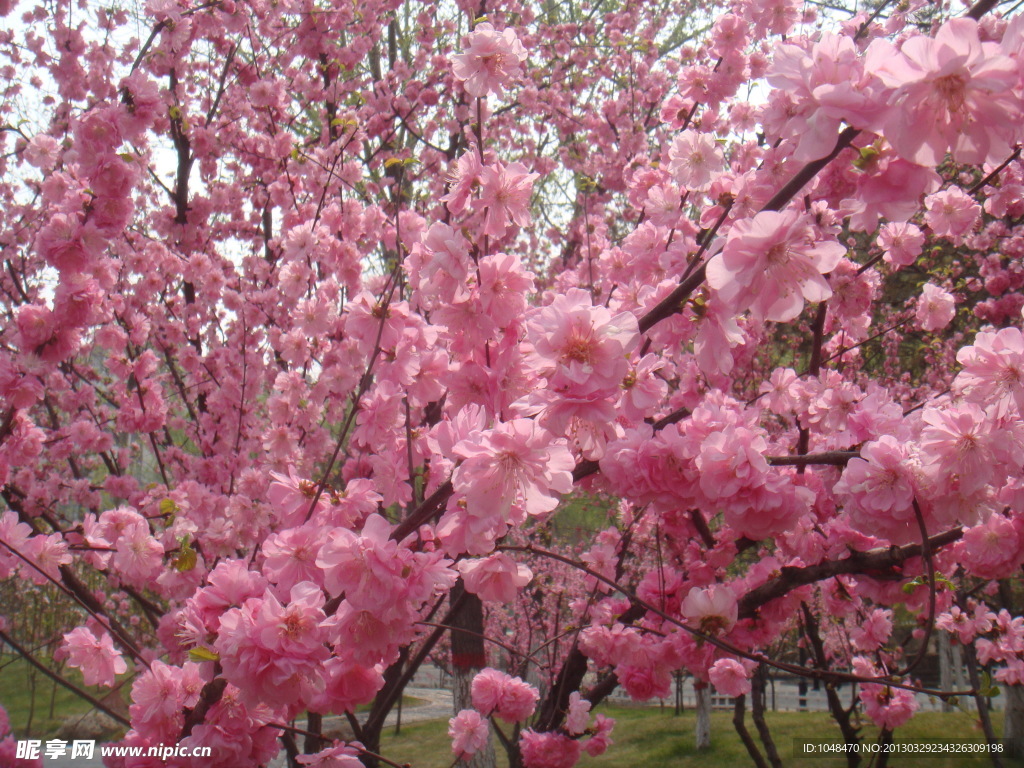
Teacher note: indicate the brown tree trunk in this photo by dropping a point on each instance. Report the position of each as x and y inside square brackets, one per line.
[468, 658]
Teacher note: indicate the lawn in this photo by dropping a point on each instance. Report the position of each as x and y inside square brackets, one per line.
[20, 685]
[653, 738]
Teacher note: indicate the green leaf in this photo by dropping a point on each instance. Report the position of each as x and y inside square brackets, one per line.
[203, 654]
[866, 157]
[186, 558]
[168, 507]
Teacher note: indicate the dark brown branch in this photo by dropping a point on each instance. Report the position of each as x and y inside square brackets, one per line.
[744, 734]
[830, 458]
[875, 563]
[61, 681]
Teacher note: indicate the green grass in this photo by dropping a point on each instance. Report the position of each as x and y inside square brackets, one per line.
[653, 738]
[18, 689]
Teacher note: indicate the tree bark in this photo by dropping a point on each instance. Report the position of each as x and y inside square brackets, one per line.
[468, 658]
[1013, 719]
[703, 733]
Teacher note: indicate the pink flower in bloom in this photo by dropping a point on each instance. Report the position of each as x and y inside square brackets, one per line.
[274, 652]
[503, 288]
[137, 555]
[902, 243]
[952, 93]
[870, 634]
[469, 733]
[516, 462]
[729, 677]
[14, 535]
[348, 685]
[951, 213]
[42, 151]
[366, 567]
[341, 756]
[993, 549]
[712, 609]
[935, 308]
[771, 263]
[993, 370]
[505, 195]
[893, 191]
[602, 739]
[880, 490]
[291, 556]
[578, 715]
[490, 61]
[292, 496]
[958, 443]
[694, 158]
[581, 348]
[826, 80]
[731, 462]
[463, 178]
[496, 578]
[98, 659]
[47, 554]
[548, 750]
[508, 697]
[486, 690]
[887, 707]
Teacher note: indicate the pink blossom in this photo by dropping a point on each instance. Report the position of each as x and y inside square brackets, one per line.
[516, 462]
[872, 631]
[348, 685]
[887, 707]
[578, 714]
[952, 93]
[729, 677]
[580, 347]
[469, 733]
[771, 263]
[47, 554]
[137, 555]
[892, 190]
[993, 370]
[508, 697]
[598, 743]
[490, 61]
[14, 535]
[42, 151]
[935, 308]
[291, 556]
[694, 158]
[505, 196]
[504, 284]
[731, 462]
[97, 658]
[548, 750]
[880, 490]
[951, 213]
[463, 178]
[993, 550]
[958, 443]
[902, 243]
[486, 690]
[713, 610]
[340, 756]
[497, 578]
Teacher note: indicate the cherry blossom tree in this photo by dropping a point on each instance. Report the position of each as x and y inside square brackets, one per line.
[317, 316]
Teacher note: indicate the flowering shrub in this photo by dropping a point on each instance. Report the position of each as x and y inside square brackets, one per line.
[319, 319]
